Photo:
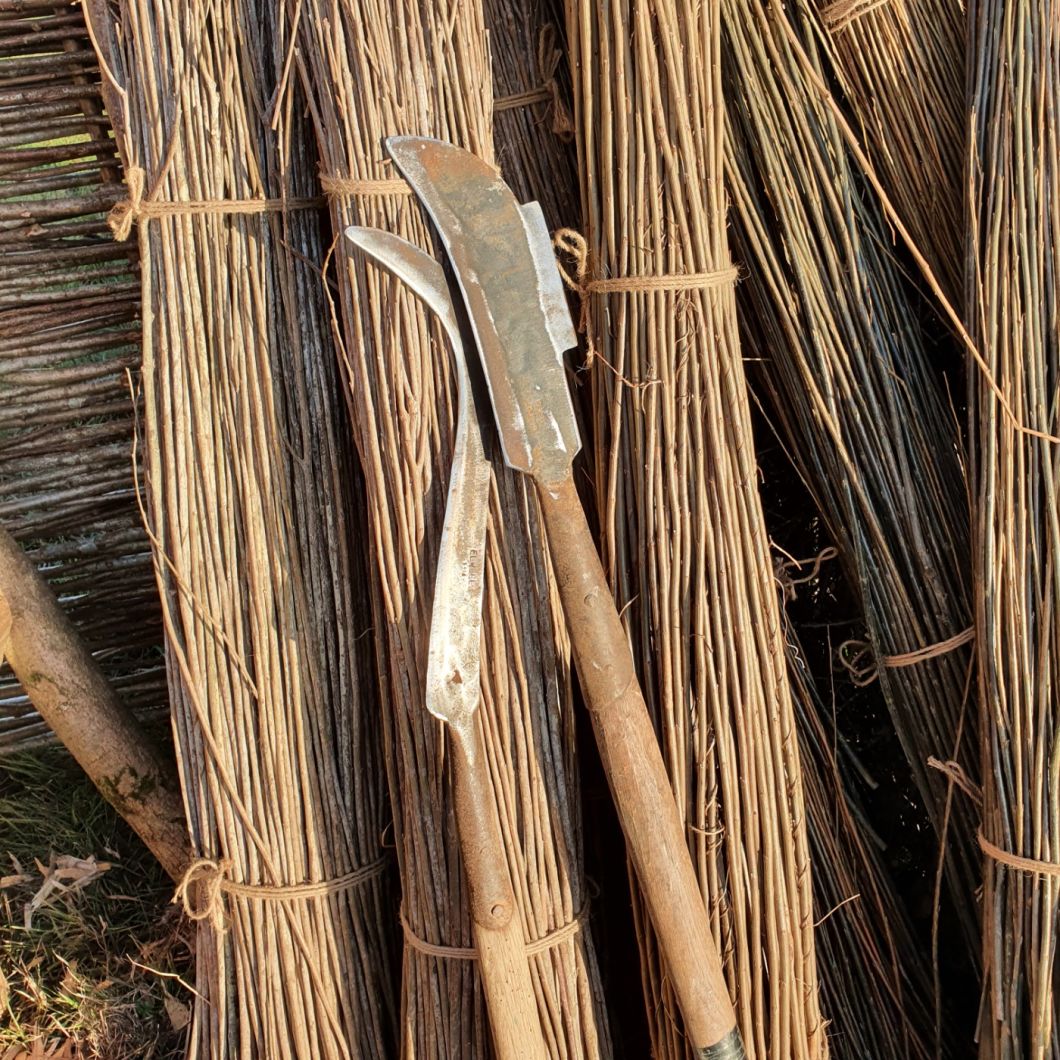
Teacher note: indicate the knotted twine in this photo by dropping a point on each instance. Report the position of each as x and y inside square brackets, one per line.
[209, 878]
[851, 654]
[572, 243]
[469, 953]
[548, 58]
[136, 208]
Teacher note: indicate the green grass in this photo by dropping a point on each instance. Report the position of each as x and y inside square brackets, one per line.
[105, 968]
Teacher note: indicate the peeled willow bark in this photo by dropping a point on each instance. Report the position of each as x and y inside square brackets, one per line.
[901, 64]
[847, 375]
[1013, 277]
[252, 510]
[69, 329]
[375, 69]
[684, 540]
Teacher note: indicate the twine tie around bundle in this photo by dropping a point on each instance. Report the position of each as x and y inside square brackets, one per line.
[350, 186]
[1017, 861]
[548, 58]
[469, 953]
[210, 881]
[572, 244]
[136, 207]
[853, 654]
[841, 13]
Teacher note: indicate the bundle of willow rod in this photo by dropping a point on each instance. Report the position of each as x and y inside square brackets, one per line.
[1014, 272]
[845, 372]
[252, 509]
[532, 125]
[684, 540]
[69, 306]
[901, 64]
[375, 69]
[875, 979]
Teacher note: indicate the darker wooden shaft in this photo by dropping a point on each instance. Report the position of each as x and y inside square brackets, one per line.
[492, 899]
[498, 931]
[629, 750]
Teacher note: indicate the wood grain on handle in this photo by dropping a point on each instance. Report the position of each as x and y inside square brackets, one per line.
[496, 924]
[629, 750]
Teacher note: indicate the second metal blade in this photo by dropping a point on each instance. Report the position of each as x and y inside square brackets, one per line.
[453, 661]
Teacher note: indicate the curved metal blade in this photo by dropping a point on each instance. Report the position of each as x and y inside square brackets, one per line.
[502, 256]
[453, 660]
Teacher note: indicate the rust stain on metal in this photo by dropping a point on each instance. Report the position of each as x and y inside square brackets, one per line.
[503, 260]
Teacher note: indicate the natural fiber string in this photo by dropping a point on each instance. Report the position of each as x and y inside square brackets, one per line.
[1016, 861]
[852, 652]
[788, 583]
[469, 953]
[954, 771]
[840, 14]
[572, 243]
[541, 94]
[548, 57]
[349, 186]
[210, 876]
[932, 651]
[135, 208]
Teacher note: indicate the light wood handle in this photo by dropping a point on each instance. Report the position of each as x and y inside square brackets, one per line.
[498, 932]
[629, 750]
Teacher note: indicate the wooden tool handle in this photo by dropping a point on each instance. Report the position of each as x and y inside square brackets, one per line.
[498, 931]
[655, 836]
